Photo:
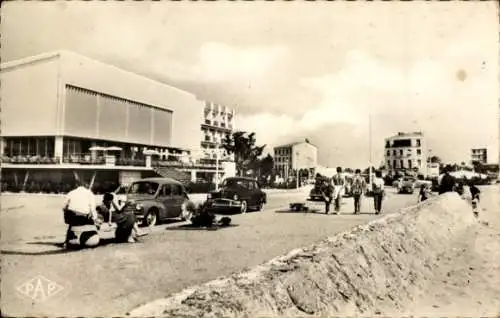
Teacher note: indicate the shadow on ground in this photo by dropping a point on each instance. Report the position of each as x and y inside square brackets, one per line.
[191, 227]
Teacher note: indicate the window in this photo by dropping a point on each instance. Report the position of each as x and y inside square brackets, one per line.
[144, 188]
[418, 142]
[388, 163]
[256, 185]
[176, 189]
[207, 121]
[400, 152]
[419, 152]
[394, 152]
[419, 162]
[402, 163]
[388, 153]
[166, 190]
[409, 164]
[387, 144]
[394, 164]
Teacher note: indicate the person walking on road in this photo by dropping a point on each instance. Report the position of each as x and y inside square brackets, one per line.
[378, 191]
[358, 188]
[338, 182]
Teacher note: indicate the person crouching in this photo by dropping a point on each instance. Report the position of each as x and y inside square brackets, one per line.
[81, 217]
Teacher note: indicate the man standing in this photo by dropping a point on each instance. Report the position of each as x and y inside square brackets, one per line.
[80, 211]
[448, 182]
[338, 181]
[378, 191]
[358, 188]
[327, 191]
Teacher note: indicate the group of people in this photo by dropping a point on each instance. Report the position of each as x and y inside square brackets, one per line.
[333, 189]
[85, 219]
[449, 184]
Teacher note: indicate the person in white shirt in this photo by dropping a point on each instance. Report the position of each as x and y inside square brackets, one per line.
[378, 191]
[81, 216]
[338, 182]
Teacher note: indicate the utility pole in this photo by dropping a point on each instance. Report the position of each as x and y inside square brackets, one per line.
[370, 146]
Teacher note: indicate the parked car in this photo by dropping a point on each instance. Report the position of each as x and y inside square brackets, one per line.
[156, 199]
[315, 194]
[407, 185]
[237, 194]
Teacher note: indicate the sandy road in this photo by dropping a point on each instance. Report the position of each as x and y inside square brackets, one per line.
[116, 278]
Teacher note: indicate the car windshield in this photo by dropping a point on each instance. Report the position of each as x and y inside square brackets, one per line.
[231, 183]
[144, 187]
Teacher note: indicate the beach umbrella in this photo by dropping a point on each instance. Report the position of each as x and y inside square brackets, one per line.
[113, 148]
[97, 148]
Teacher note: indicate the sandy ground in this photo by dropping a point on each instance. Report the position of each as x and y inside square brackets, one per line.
[467, 282]
[114, 279]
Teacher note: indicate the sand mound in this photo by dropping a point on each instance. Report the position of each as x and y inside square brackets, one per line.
[378, 267]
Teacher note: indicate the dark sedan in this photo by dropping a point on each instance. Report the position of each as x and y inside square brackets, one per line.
[237, 194]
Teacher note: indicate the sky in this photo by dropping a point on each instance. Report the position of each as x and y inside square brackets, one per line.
[294, 70]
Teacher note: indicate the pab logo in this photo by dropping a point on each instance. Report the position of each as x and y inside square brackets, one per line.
[39, 288]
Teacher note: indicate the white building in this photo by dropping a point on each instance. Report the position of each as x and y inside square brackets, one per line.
[218, 121]
[406, 153]
[291, 157]
[479, 155]
[57, 106]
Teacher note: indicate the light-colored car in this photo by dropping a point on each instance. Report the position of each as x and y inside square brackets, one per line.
[407, 185]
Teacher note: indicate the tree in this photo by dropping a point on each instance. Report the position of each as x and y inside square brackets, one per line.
[246, 153]
[435, 159]
[266, 166]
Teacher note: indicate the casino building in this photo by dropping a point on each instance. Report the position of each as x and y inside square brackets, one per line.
[65, 116]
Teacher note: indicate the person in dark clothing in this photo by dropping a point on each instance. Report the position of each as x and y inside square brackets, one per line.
[475, 193]
[327, 191]
[447, 183]
[125, 221]
[424, 193]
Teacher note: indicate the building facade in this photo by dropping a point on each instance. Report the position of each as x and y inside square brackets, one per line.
[406, 153]
[295, 156]
[218, 121]
[479, 155]
[61, 110]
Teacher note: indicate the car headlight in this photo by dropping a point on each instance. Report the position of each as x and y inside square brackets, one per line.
[235, 197]
[139, 207]
[209, 196]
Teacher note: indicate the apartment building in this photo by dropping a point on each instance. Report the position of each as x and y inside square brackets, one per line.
[406, 153]
[479, 155]
[293, 156]
[218, 121]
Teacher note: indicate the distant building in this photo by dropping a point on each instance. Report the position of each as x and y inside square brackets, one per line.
[298, 155]
[479, 155]
[406, 153]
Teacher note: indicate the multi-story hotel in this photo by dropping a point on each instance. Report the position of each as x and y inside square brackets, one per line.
[406, 153]
[65, 116]
[479, 155]
[218, 121]
[295, 156]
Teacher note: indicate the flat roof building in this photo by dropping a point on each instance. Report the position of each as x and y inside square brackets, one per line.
[61, 109]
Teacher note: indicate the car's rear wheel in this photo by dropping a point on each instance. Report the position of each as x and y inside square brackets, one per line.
[151, 218]
[244, 206]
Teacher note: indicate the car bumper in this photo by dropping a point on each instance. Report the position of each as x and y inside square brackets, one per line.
[223, 205]
[315, 198]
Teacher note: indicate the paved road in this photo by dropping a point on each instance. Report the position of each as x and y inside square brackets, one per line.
[114, 279]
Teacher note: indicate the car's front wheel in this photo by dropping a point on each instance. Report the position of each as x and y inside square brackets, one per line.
[260, 206]
[151, 218]
[244, 206]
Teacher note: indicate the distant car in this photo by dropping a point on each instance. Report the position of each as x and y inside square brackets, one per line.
[156, 199]
[238, 194]
[315, 194]
[407, 185]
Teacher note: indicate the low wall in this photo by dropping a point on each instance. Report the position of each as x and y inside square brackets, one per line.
[376, 267]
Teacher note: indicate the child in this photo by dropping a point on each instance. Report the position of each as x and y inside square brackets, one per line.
[474, 191]
[424, 193]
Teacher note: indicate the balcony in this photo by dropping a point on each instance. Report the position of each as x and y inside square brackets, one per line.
[39, 160]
